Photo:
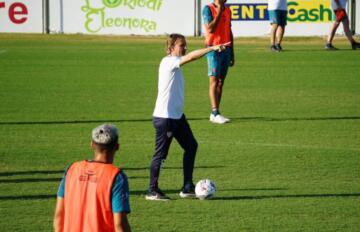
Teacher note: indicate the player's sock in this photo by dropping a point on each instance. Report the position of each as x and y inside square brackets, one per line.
[215, 111]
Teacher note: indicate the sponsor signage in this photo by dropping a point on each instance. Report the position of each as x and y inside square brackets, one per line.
[302, 11]
[103, 15]
[125, 17]
[21, 16]
[249, 12]
[158, 17]
[305, 17]
[307, 11]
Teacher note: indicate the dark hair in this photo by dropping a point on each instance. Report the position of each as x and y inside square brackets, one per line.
[171, 41]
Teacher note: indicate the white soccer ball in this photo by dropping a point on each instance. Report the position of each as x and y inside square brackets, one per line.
[205, 189]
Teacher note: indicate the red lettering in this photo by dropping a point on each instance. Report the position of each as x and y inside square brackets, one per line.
[2, 4]
[15, 11]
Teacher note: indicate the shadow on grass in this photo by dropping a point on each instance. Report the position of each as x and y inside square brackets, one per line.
[28, 197]
[47, 172]
[265, 119]
[253, 189]
[27, 180]
[168, 167]
[143, 192]
[176, 191]
[270, 119]
[231, 198]
[31, 172]
[34, 180]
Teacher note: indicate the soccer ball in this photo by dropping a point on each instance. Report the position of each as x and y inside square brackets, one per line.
[205, 189]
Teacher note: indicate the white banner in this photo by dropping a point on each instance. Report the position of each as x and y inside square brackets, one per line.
[305, 17]
[124, 17]
[23, 16]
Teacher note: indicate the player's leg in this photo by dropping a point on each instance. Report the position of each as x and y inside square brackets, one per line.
[333, 29]
[273, 28]
[224, 63]
[346, 25]
[329, 45]
[213, 64]
[184, 135]
[347, 31]
[219, 89]
[282, 22]
[163, 138]
[213, 94]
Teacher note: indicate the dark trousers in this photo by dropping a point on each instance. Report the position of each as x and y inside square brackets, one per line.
[166, 129]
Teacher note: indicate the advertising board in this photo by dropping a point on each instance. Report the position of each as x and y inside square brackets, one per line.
[22, 16]
[305, 17]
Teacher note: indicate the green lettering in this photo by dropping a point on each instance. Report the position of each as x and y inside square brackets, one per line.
[109, 22]
[112, 3]
[144, 24]
[118, 22]
[141, 3]
[292, 8]
[313, 15]
[127, 23]
[135, 23]
[130, 3]
[323, 11]
[152, 26]
[152, 4]
[159, 6]
[94, 17]
[303, 15]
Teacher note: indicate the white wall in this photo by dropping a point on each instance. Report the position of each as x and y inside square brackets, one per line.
[55, 11]
[357, 26]
[23, 16]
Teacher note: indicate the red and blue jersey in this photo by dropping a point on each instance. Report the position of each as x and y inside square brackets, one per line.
[222, 33]
[92, 192]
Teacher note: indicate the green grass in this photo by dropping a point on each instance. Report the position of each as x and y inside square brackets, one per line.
[288, 161]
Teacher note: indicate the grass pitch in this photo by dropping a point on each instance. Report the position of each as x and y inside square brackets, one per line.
[288, 161]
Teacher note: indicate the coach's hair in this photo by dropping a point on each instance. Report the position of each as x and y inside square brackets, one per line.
[171, 41]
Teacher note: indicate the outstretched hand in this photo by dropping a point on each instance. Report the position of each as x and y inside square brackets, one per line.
[220, 47]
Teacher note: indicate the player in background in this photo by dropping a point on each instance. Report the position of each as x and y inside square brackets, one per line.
[278, 20]
[169, 119]
[217, 24]
[341, 17]
[93, 195]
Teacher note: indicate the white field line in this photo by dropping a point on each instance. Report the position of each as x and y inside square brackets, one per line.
[2, 51]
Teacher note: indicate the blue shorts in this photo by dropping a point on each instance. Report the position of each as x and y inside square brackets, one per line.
[278, 17]
[218, 63]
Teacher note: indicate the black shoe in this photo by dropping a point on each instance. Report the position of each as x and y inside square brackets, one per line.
[188, 191]
[273, 48]
[157, 195]
[279, 48]
[330, 47]
[355, 45]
